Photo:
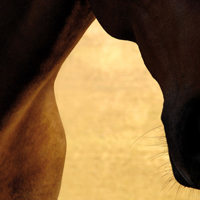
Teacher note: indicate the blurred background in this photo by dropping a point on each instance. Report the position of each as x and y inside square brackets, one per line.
[111, 107]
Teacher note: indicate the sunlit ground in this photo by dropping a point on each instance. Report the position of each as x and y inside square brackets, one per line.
[107, 100]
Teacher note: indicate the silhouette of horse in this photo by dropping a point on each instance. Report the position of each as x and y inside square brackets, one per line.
[35, 38]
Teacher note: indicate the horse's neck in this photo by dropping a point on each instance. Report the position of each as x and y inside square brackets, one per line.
[32, 140]
[47, 58]
[75, 26]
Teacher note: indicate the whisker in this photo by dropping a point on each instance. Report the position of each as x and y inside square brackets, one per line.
[179, 191]
[190, 195]
[159, 155]
[144, 134]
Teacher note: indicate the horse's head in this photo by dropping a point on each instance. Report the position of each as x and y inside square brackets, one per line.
[168, 35]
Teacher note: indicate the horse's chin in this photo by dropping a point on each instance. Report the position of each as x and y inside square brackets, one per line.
[187, 174]
[182, 127]
[181, 177]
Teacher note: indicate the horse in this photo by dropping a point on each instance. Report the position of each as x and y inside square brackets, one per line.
[36, 36]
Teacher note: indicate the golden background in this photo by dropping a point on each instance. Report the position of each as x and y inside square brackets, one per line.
[107, 100]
